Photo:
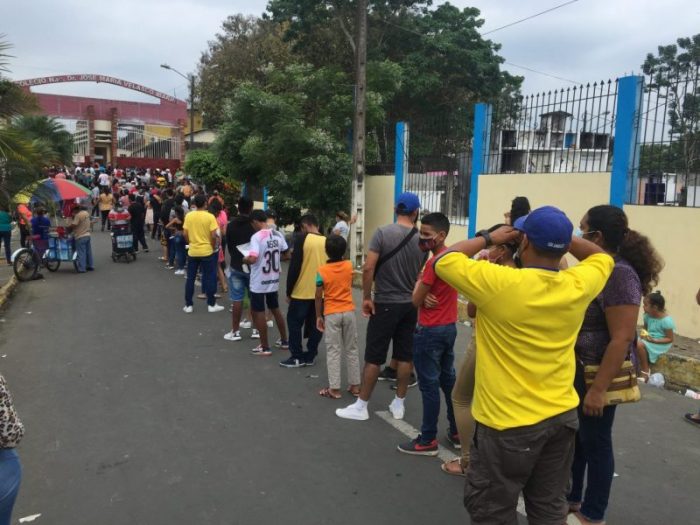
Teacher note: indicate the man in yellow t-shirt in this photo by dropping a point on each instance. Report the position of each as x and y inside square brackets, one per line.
[524, 398]
[309, 254]
[201, 233]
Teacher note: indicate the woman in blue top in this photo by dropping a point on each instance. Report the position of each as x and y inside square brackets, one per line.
[6, 232]
[657, 337]
[41, 224]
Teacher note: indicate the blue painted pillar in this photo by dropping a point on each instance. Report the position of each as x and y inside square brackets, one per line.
[400, 158]
[624, 179]
[480, 152]
[265, 196]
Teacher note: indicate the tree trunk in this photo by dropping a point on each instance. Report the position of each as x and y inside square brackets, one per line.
[359, 132]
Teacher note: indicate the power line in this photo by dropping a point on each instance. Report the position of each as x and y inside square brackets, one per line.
[543, 73]
[423, 35]
[530, 17]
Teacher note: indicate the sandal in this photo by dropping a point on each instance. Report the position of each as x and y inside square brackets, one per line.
[693, 419]
[448, 467]
[354, 391]
[326, 392]
[643, 376]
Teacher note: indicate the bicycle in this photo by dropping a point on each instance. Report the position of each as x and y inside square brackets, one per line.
[42, 252]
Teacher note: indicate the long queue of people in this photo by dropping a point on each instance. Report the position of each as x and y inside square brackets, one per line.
[519, 408]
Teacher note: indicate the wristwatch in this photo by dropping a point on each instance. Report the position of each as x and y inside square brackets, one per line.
[486, 235]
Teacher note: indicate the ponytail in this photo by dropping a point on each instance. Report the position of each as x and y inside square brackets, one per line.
[637, 250]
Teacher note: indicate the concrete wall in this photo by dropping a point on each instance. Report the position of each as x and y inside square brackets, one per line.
[574, 193]
[675, 234]
[379, 203]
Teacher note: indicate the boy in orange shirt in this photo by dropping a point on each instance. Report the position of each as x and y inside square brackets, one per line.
[335, 315]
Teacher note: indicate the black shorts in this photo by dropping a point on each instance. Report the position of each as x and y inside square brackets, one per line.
[391, 322]
[258, 301]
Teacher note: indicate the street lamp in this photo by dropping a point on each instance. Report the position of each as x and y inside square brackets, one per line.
[190, 79]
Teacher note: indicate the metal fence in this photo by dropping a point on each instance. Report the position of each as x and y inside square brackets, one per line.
[569, 130]
[666, 167]
[439, 165]
[134, 140]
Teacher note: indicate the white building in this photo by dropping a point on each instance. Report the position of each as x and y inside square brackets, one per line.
[553, 147]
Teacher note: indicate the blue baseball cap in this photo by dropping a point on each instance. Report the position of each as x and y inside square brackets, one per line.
[407, 202]
[548, 228]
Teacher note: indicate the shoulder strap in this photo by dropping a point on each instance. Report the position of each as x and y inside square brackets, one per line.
[399, 247]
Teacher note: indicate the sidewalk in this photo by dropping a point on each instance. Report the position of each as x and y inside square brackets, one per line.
[7, 276]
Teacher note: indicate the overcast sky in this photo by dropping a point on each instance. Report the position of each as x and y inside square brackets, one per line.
[584, 41]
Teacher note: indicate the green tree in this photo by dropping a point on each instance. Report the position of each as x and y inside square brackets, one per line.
[203, 166]
[21, 156]
[444, 66]
[57, 142]
[290, 135]
[241, 52]
[673, 74]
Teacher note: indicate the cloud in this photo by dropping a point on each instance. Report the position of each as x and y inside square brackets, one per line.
[586, 41]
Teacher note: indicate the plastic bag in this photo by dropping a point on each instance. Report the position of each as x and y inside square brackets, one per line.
[657, 380]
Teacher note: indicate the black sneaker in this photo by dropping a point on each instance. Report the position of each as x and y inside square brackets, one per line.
[416, 448]
[454, 440]
[388, 374]
[311, 362]
[412, 381]
[292, 363]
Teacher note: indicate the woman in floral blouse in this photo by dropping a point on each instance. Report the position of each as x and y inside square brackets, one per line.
[11, 432]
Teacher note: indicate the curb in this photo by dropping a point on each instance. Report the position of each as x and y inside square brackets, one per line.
[7, 290]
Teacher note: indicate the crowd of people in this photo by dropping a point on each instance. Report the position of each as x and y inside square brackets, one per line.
[518, 407]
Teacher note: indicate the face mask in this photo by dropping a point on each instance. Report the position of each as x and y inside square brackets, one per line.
[578, 232]
[426, 245]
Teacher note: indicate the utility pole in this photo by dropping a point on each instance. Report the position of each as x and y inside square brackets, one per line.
[358, 142]
[190, 78]
[191, 112]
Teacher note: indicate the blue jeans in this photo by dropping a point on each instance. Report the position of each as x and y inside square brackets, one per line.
[208, 265]
[303, 312]
[238, 283]
[177, 251]
[10, 477]
[84, 249]
[5, 238]
[593, 453]
[433, 359]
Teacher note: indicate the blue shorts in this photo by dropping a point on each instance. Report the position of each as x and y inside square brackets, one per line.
[238, 283]
[258, 300]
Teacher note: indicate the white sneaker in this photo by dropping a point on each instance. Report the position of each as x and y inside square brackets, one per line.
[353, 412]
[397, 409]
[215, 308]
[187, 309]
[246, 324]
[255, 334]
[270, 324]
[233, 336]
[179, 272]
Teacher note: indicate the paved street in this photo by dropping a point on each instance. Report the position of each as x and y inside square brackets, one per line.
[139, 414]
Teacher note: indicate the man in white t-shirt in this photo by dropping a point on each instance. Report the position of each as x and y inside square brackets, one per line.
[267, 248]
[103, 179]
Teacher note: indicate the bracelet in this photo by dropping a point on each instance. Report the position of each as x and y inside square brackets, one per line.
[486, 235]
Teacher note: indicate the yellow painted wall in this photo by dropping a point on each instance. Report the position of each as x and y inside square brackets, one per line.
[574, 193]
[675, 234]
[165, 132]
[457, 233]
[379, 203]
[379, 206]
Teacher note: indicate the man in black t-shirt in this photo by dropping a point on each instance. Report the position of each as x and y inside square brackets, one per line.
[239, 231]
[138, 220]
